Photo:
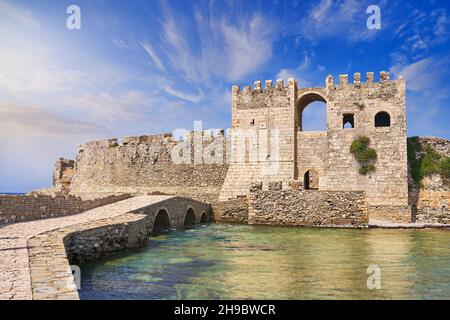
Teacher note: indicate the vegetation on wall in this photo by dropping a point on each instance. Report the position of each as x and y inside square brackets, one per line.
[427, 161]
[365, 155]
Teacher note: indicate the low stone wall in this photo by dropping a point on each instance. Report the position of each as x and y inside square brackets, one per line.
[433, 207]
[20, 208]
[231, 211]
[307, 208]
[399, 214]
[52, 253]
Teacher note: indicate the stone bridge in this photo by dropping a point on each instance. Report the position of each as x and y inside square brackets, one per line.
[35, 256]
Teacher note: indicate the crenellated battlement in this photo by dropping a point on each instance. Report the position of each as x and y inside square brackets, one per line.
[269, 87]
[384, 77]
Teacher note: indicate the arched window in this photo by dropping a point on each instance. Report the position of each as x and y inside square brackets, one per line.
[348, 121]
[162, 222]
[189, 219]
[382, 119]
[311, 180]
[312, 110]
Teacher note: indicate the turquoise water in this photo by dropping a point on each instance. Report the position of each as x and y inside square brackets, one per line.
[248, 262]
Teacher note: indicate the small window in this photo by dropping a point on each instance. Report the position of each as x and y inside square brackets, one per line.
[348, 121]
[382, 119]
[253, 122]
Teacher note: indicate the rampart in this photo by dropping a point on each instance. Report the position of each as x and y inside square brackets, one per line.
[275, 206]
[21, 208]
[144, 165]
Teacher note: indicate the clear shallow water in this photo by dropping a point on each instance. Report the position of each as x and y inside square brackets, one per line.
[247, 262]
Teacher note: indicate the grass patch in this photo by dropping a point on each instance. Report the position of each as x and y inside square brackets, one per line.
[428, 163]
[365, 155]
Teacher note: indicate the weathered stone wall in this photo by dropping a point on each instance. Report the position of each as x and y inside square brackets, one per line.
[231, 211]
[307, 208]
[144, 164]
[312, 154]
[51, 253]
[257, 116]
[431, 203]
[328, 152]
[63, 175]
[20, 208]
[387, 186]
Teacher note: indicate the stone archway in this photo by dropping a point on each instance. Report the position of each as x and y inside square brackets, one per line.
[189, 218]
[161, 223]
[312, 97]
[204, 218]
[311, 180]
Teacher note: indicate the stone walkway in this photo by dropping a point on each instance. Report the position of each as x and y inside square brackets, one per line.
[15, 282]
[397, 225]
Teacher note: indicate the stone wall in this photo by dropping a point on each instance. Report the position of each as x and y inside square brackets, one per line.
[278, 110]
[387, 185]
[262, 142]
[431, 202]
[20, 208]
[231, 211]
[51, 253]
[144, 164]
[306, 207]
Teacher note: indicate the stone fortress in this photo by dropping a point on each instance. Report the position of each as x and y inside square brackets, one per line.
[265, 171]
[309, 166]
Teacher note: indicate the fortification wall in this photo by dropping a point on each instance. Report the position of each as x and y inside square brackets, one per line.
[387, 185]
[431, 202]
[144, 164]
[306, 208]
[262, 143]
[20, 208]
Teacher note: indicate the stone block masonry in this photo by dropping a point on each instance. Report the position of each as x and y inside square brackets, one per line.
[20, 208]
[144, 164]
[35, 255]
[307, 208]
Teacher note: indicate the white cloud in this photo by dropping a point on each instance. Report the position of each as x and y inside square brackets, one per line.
[22, 120]
[17, 13]
[185, 96]
[337, 18]
[153, 56]
[215, 46]
[422, 74]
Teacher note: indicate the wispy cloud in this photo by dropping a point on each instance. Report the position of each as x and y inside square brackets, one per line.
[183, 95]
[423, 74]
[152, 55]
[29, 119]
[17, 13]
[329, 18]
[216, 46]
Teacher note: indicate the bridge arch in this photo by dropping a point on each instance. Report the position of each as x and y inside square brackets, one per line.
[204, 218]
[189, 217]
[161, 223]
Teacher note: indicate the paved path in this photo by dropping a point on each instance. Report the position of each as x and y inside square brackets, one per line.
[15, 280]
[398, 225]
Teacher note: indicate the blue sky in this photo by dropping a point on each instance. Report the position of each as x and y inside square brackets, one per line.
[140, 67]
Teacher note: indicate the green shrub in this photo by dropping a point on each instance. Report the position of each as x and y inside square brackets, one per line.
[365, 155]
[428, 163]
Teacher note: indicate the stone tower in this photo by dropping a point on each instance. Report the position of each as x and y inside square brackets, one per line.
[322, 160]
